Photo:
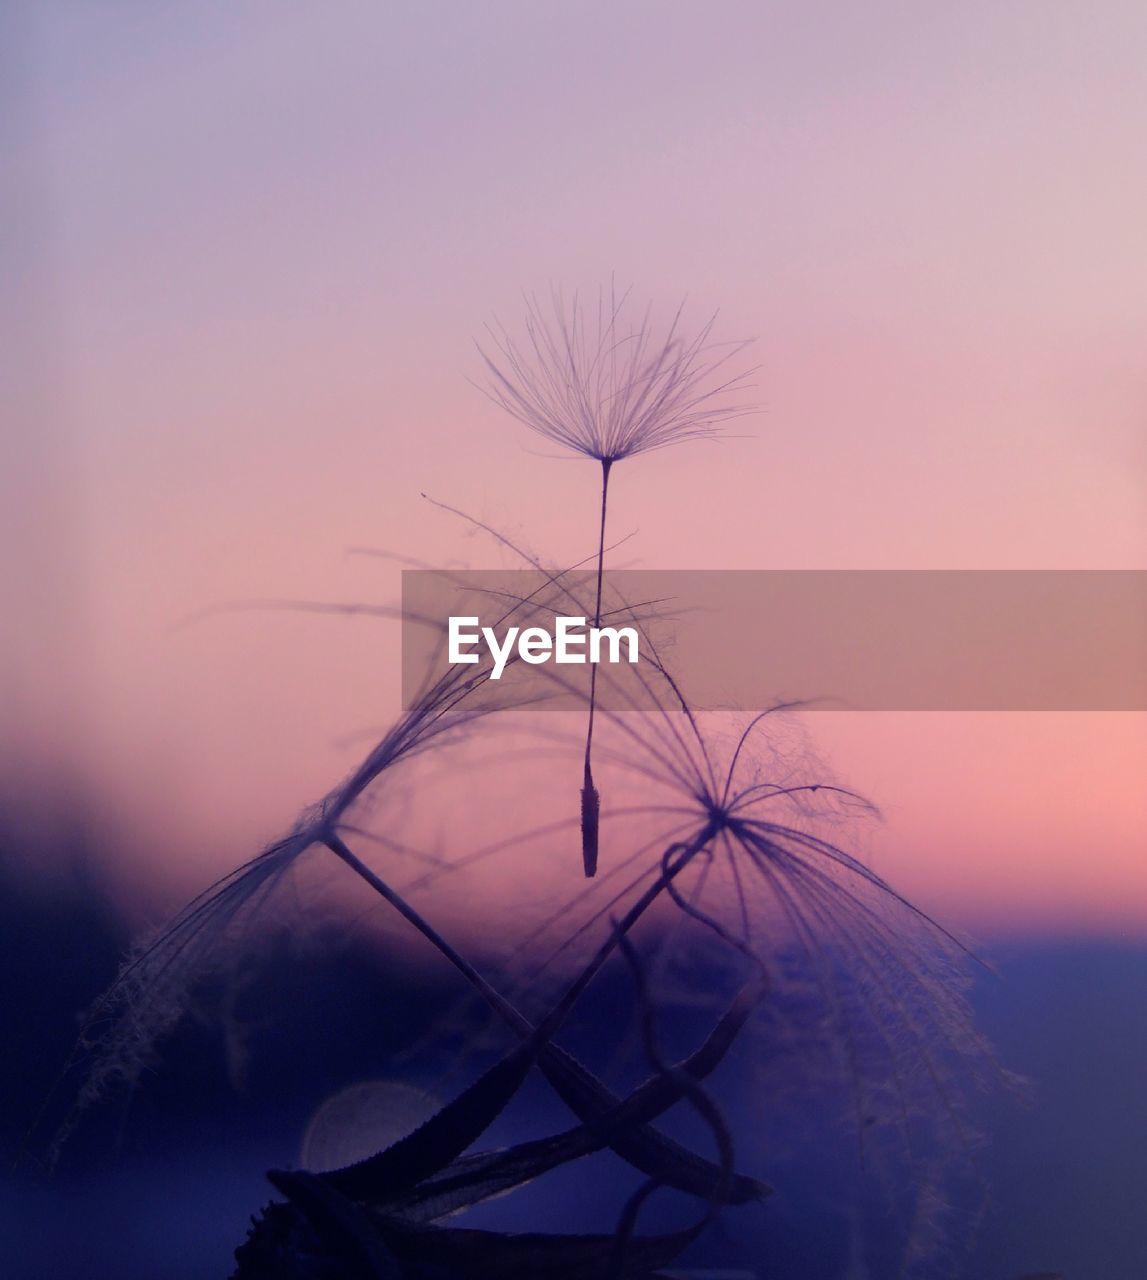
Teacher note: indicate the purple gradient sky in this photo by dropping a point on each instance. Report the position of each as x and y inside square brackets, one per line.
[252, 247]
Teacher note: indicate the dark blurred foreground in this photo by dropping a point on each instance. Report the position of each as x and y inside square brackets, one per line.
[165, 1186]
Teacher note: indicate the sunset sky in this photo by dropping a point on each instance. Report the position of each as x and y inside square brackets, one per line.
[252, 248]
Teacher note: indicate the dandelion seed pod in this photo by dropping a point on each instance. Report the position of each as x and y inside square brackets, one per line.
[590, 812]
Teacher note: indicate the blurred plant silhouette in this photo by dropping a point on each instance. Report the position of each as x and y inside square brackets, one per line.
[732, 846]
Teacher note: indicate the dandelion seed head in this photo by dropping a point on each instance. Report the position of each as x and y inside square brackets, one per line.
[606, 381]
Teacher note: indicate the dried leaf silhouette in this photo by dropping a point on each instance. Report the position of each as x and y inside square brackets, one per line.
[373, 1217]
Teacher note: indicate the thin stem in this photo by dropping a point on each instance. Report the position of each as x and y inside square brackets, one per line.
[590, 801]
[670, 869]
[586, 1096]
[342, 851]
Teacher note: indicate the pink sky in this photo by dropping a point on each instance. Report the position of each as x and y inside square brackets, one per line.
[253, 247]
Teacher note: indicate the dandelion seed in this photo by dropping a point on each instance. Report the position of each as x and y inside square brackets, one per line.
[868, 987]
[610, 388]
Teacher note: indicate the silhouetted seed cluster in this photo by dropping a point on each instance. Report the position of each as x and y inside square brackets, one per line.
[737, 851]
